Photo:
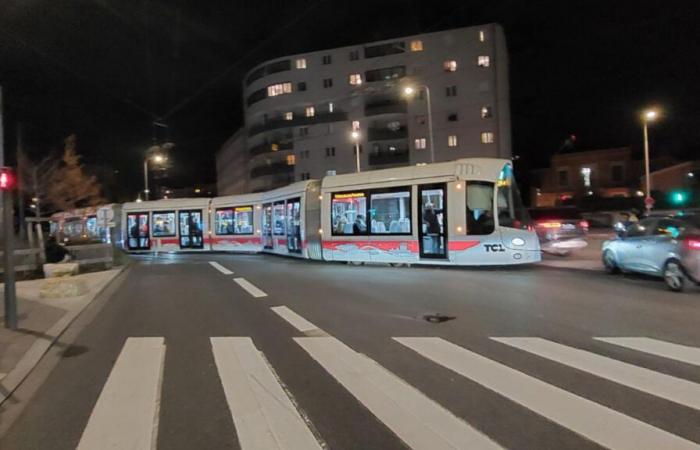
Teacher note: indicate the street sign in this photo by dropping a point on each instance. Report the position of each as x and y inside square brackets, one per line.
[649, 202]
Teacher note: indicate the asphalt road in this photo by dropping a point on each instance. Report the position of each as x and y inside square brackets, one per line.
[345, 382]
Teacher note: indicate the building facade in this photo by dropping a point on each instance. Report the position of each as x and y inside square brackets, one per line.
[300, 110]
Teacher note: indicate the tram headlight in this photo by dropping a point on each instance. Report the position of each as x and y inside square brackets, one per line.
[320, 231]
[459, 185]
[459, 229]
[518, 241]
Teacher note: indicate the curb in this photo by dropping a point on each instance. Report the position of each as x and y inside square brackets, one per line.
[11, 381]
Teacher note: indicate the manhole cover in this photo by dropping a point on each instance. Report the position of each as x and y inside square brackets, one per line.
[437, 318]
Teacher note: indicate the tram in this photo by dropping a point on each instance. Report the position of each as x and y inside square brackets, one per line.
[86, 225]
[466, 212]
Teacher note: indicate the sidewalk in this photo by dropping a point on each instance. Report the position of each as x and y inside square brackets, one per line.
[41, 322]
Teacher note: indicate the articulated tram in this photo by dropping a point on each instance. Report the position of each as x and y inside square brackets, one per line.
[465, 212]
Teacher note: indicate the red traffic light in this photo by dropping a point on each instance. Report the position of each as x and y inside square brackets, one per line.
[7, 179]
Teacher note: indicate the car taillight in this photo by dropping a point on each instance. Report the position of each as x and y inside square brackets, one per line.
[584, 224]
[549, 224]
[692, 243]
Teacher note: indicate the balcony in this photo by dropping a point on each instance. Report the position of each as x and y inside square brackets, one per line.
[321, 117]
[267, 147]
[385, 134]
[278, 168]
[389, 156]
[385, 107]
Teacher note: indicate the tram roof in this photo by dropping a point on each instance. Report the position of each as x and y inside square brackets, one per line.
[175, 203]
[289, 190]
[237, 199]
[482, 169]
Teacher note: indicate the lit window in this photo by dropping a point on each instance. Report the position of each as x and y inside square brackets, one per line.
[355, 79]
[238, 220]
[390, 212]
[279, 89]
[419, 143]
[291, 160]
[288, 115]
[301, 63]
[487, 137]
[330, 107]
[417, 45]
[486, 112]
[482, 35]
[355, 125]
[349, 213]
[310, 111]
[450, 66]
[452, 140]
[483, 61]
[586, 175]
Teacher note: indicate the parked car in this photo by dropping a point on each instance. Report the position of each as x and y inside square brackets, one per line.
[667, 247]
[560, 230]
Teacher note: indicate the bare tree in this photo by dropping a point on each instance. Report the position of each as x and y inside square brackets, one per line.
[34, 178]
[70, 187]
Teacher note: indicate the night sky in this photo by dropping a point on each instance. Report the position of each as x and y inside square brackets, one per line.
[105, 69]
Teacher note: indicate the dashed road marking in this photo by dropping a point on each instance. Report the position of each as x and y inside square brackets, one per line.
[295, 320]
[248, 286]
[220, 268]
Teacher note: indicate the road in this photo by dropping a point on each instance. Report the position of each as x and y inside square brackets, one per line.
[186, 354]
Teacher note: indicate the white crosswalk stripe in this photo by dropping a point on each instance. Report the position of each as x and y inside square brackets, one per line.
[264, 416]
[127, 410]
[595, 422]
[419, 421]
[683, 353]
[661, 385]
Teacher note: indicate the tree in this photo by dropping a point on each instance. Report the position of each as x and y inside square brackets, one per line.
[34, 178]
[70, 187]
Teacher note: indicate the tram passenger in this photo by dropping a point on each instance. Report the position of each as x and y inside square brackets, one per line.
[433, 227]
[360, 226]
[340, 225]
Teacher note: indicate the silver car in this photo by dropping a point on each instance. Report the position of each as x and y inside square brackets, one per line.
[667, 247]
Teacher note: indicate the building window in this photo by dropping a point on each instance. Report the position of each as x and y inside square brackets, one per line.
[451, 91]
[310, 111]
[355, 125]
[304, 154]
[487, 137]
[327, 82]
[304, 131]
[391, 48]
[389, 73]
[563, 177]
[330, 151]
[483, 61]
[417, 45]
[291, 160]
[301, 63]
[618, 173]
[289, 115]
[486, 112]
[586, 176]
[354, 55]
[452, 140]
[450, 66]
[454, 117]
[301, 86]
[327, 59]
[482, 35]
[355, 79]
[419, 143]
[279, 89]
[420, 119]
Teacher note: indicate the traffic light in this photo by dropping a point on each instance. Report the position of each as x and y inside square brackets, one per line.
[678, 197]
[7, 179]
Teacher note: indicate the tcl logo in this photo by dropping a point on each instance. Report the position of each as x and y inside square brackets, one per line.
[494, 248]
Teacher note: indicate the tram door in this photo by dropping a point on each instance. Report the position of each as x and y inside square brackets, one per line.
[294, 225]
[191, 229]
[137, 225]
[432, 209]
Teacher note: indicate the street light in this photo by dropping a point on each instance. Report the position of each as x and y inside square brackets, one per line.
[648, 116]
[157, 159]
[408, 92]
[356, 137]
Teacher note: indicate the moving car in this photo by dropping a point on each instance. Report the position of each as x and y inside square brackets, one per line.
[560, 230]
[667, 247]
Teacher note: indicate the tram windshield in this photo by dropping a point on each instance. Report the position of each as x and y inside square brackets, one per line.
[511, 212]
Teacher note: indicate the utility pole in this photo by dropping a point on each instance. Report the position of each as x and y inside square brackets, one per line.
[21, 188]
[6, 184]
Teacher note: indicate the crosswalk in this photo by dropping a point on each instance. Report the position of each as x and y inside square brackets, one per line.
[266, 415]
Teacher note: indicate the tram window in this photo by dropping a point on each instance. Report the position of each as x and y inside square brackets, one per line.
[390, 212]
[238, 220]
[267, 226]
[73, 228]
[349, 213]
[164, 223]
[278, 219]
[511, 212]
[91, 227]
[294, 225]
[480, 208]
[223, 221]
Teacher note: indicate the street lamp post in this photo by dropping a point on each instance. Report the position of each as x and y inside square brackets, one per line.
[648, 116]
[158, 159]
[409, 90]
[356, 137]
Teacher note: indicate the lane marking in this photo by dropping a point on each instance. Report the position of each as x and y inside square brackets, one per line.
[295, 319]
[248, 286]
[677, 390]
[264, 416]
[220, 268]
[682, 353]
[127, 411]
[416, 419]
[594, 422]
